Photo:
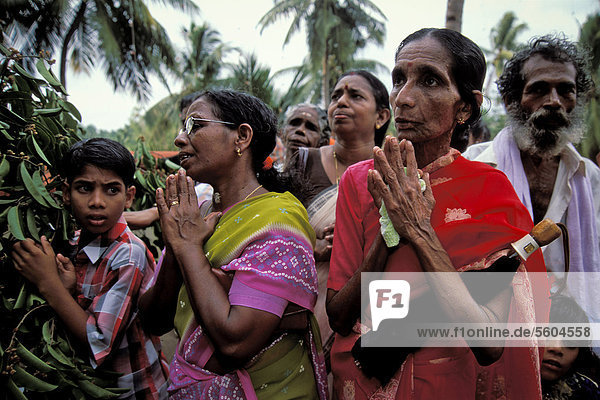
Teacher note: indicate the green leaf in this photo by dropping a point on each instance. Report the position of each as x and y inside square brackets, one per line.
[31, 360]
[30, 185]
[21, 298]
[48, 112]
[5, 51]
[31, 225]
[141, 180]
[28, 381]
[24, 72]
[39, 184]
[16, 119]
[14, 390]
[171, 165]
[70, 108]
[4, 167]
[14, 223]
[59, 356]
[39, 151]
[33, 300]
[45, 72]
[46, 334]
[65, 219]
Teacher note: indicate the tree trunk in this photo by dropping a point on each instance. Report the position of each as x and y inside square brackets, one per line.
[454, 14]
[324, 80]
[65, 46]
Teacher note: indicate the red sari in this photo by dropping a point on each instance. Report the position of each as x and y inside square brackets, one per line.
[477, 214]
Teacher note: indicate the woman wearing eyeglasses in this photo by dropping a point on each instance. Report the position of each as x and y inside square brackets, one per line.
[238, 280]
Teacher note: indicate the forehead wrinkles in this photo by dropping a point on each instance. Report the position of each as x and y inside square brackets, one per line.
[426, 51]
[305, 113]
[538, 68]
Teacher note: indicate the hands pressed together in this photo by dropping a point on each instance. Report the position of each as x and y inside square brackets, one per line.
[408, 207]
[180, 217]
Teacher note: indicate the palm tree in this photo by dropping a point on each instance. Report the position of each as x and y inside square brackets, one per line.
[249, 76]
[203, 57]
[336, 30]
[120, 35]
[298, 91]
[454, 11]
[503, 40]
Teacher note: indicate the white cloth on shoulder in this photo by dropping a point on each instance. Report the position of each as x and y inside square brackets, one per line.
[575, 202]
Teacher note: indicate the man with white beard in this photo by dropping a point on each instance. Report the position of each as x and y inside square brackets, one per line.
[544, 88]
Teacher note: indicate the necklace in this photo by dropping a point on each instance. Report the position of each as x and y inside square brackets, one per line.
[252, 192]
[337, 179]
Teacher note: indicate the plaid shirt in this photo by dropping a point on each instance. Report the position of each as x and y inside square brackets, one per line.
[113, 270]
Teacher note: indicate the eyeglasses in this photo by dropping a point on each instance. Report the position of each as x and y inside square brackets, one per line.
[188, 129]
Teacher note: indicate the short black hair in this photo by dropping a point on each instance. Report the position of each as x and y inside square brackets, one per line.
[381, 95]
[467, 69]
[102, 153]
[553, 48]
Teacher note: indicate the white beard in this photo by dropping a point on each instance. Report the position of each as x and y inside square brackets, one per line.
[545, 142]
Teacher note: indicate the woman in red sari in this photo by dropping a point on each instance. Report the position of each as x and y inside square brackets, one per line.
[464, 220]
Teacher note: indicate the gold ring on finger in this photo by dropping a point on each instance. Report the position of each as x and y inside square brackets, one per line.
[174, 203]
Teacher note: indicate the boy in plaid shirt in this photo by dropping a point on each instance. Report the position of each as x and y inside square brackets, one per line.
[96, 295]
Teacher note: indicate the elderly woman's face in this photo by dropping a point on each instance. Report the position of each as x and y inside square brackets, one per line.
[302, 129]
[424, 97]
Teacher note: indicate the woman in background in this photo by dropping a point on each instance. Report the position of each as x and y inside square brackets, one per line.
[359, 115]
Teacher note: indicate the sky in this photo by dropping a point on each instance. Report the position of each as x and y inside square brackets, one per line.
[237, 21]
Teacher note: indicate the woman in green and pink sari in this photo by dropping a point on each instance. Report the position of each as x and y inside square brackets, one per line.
[237, 280]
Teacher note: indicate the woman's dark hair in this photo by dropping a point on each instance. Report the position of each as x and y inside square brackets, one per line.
[188, 99]
[102, 153]
[478, 130]
[467, 69]
[242, 108]
[554, 48]
[381, 95]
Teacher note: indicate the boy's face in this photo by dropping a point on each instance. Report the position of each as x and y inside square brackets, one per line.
[557, 360]
[97, 198]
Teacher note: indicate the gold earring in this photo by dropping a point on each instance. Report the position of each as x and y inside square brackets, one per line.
[238, 151]
[461, 121]
[377, 126]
